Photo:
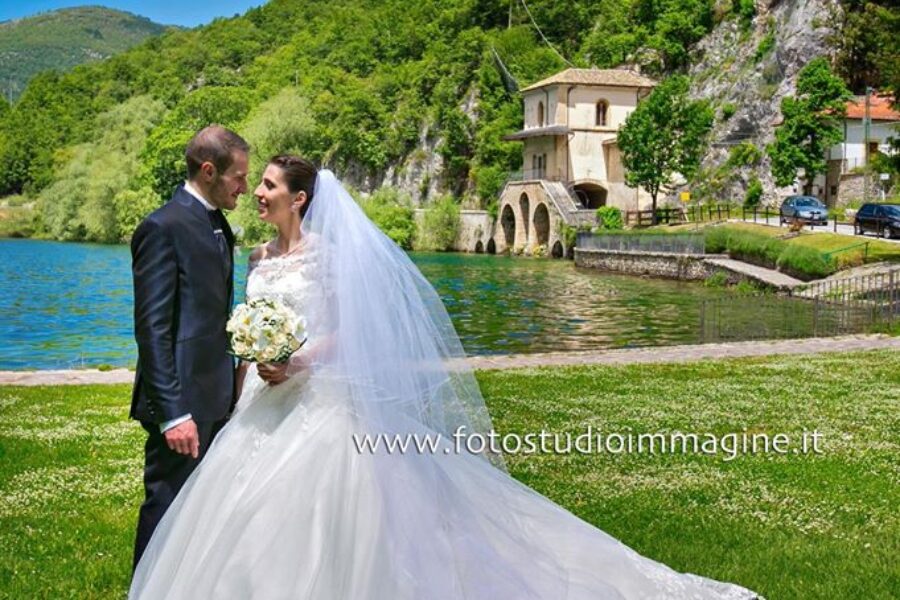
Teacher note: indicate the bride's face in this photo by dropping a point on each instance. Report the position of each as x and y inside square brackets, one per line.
[275, 202]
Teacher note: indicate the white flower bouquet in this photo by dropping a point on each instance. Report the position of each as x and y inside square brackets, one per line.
[265, 330]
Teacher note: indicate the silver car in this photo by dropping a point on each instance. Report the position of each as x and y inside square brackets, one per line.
[807, 209]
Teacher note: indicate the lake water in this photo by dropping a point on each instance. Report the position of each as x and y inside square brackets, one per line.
[65, 305]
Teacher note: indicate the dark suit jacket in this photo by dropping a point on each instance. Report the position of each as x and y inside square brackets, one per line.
[182, 298]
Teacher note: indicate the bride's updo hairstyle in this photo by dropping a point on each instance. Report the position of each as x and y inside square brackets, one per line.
[299, 174]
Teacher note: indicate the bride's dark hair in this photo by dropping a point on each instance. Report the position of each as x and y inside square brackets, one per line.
[300, 175]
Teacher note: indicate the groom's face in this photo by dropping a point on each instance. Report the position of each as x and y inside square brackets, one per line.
[227, 186]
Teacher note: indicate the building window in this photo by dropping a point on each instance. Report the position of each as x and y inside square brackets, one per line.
[602, 113]
[540, 114]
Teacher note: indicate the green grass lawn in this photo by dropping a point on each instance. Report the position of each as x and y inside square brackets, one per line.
[825, 241]
[788, 526]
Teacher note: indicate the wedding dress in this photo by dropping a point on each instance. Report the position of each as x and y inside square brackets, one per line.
[285, 506]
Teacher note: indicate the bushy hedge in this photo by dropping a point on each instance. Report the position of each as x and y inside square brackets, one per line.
[609, 217]
[392, 211]
[770, 252]
[440, 225]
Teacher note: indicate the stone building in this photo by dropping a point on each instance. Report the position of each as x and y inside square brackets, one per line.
[571, 162]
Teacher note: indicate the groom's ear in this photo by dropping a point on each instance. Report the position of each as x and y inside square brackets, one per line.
[208, 170]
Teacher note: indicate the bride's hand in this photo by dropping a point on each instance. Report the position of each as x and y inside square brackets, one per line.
[273, 373]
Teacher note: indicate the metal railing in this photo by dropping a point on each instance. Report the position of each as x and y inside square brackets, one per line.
[820, 309]
[679, 243]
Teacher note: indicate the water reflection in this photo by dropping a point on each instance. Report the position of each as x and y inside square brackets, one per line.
[70, 305]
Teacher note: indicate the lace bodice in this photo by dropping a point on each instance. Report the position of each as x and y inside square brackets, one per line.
[296, 280]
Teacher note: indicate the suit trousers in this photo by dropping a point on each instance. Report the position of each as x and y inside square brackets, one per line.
[165, 472]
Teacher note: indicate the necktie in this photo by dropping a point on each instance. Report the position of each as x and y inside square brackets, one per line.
[217, 220]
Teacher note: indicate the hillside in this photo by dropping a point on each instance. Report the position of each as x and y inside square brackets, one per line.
[413, 96]
[64, 38]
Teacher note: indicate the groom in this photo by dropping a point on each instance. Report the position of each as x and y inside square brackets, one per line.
[182, 264]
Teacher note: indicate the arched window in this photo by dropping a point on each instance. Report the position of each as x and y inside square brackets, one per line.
[540, 114]
[602, 113]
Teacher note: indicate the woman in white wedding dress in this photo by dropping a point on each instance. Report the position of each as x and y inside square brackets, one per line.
[285, 506]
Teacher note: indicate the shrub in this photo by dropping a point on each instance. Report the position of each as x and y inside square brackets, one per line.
[746, 10]
[805, 262]
[800, 261]
[754, 193]
[716, 239]
[766, 45]
[392, 212]
[440, 226]
[728, 110]
[719, 279]
[610, 217]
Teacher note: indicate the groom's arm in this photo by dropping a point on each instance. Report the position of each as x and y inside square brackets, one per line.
[155, 270]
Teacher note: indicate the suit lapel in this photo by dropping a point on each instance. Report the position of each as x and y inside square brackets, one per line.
[201, 221]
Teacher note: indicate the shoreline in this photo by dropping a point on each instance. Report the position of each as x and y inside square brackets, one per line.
[623, 356]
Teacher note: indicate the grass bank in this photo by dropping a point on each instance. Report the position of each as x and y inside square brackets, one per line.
[789, 526]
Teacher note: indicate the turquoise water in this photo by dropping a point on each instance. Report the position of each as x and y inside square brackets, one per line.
[65, 305]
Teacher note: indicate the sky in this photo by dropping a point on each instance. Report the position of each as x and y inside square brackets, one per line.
[187, 13]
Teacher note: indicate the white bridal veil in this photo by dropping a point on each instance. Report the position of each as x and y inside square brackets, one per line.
[388, 330]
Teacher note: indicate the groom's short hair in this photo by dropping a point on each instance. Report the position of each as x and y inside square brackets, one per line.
[215, 144]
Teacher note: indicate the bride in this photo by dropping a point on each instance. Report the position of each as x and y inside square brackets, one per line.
[286, 506]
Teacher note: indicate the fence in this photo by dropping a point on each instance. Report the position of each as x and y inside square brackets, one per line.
[688, 243]
[827, 308]
[677, 214]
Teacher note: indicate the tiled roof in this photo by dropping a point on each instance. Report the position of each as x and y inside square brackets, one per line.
[879, 108]
[610, 77]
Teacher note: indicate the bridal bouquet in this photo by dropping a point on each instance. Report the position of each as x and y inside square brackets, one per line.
[265, 330]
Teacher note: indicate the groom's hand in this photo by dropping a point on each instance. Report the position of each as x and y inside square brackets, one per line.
[272, 373]
[184, 439]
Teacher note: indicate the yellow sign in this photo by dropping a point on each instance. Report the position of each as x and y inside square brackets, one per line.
[685, 196]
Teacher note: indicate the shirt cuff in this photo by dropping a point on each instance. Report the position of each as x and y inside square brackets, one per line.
[164, 427]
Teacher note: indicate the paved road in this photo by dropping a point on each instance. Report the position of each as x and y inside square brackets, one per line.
[627, 356]
[841, 228]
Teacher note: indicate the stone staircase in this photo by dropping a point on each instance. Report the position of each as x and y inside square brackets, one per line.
[571, 211]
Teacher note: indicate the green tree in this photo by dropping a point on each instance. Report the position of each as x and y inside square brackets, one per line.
[440, 225]
[393, 213]
[282, 124]
[812, 124]
[666, 134]
[163, 155]
[86, 199]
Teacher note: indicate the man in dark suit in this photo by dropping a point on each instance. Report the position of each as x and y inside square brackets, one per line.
[182, 263]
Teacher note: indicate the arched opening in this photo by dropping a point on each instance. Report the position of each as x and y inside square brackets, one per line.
[540, 114]
[479, 248]
[591, 195]
[557, 250]
[508, 224]
[523, 206]
[542, 224]
[602, 118]
[491, 247]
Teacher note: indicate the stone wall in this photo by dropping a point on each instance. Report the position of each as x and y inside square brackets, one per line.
[654, 264]
[852, 187]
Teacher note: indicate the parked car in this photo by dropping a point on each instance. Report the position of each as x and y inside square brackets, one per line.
[807, 209]
[883, 219]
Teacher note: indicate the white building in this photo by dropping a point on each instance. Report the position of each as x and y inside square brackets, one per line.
[569, 134]
[854, 151]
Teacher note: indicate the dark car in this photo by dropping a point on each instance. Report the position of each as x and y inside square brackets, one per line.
[807, 209]
[882, 219]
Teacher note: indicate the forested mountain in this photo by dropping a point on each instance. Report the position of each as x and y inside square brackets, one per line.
[64, 38]
[387, 92]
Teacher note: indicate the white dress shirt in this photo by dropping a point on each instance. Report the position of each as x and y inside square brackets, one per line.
[167, 425]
